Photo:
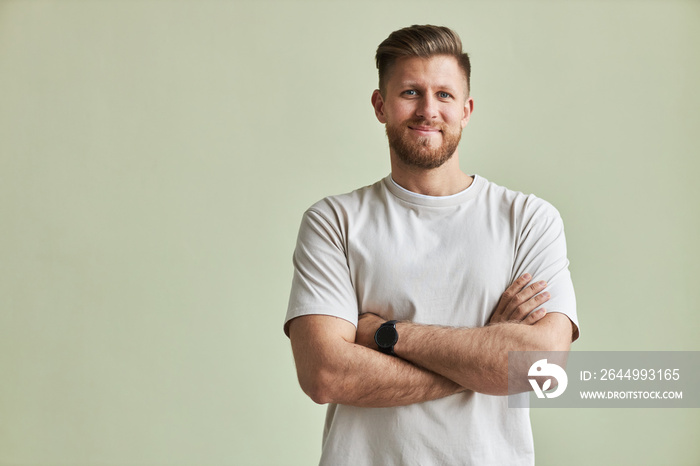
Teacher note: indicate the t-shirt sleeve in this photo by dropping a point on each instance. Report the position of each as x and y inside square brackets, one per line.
[541, 252]
[321, 282]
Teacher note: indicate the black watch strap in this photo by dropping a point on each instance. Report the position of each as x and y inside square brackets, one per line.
[386, 337]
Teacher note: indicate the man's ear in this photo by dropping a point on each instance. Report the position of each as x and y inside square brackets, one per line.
[378, 104]
[468, 110]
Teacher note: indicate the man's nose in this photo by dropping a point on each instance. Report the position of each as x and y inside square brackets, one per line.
[427, 108]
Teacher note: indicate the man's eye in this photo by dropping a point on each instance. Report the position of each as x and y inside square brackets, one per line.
[410, 92]
[443, 95]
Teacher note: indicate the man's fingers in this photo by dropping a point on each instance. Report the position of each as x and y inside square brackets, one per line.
[520, 299]
[524, 296]
[529, 291]
[535, 316]
[522, 310]
[517, 286]
[508, 295]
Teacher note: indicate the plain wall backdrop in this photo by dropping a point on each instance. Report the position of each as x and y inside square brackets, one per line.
[156, 158]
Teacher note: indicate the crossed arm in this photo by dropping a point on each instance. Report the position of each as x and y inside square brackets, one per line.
[337, 363]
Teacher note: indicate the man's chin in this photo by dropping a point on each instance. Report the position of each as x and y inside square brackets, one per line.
[425, 160]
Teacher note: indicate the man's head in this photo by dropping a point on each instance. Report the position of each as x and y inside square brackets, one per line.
[420, 41]
[423, 97]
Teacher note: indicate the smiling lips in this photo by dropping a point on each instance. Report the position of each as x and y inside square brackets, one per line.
[424, 129]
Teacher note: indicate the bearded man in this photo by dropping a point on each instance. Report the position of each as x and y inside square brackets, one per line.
[408, 294]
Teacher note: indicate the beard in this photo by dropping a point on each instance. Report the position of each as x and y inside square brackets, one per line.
[419, 152]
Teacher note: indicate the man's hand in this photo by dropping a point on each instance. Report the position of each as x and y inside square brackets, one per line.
[518, 301]
[367, 325]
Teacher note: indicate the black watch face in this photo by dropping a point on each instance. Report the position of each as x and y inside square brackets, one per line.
[386, 337]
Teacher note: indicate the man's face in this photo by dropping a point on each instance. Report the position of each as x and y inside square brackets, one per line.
[425, 107]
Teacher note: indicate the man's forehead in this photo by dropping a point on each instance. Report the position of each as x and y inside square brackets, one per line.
[437, 71]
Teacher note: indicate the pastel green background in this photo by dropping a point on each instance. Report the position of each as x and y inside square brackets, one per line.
[156, 158]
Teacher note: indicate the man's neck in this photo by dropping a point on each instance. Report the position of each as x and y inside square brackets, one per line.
[445, 180]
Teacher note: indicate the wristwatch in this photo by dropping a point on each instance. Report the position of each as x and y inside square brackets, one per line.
[386, 337]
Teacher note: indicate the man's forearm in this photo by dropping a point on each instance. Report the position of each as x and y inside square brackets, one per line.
[372, 379]
[333, 369]
[477, 358]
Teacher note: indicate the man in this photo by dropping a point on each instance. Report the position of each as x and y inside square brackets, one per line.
[398, 317]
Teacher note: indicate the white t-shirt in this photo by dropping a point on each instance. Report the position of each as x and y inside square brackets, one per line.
[431, 260]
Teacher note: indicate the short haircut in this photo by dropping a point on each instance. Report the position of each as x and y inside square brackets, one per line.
[420, 41]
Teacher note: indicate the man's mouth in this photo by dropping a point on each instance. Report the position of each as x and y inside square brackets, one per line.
[425, 130]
